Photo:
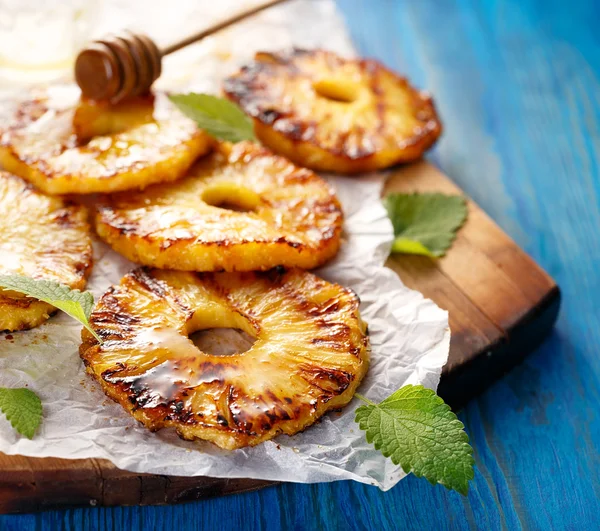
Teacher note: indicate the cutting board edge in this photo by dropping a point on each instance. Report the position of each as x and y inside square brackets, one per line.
[512, 349]
[106, 492]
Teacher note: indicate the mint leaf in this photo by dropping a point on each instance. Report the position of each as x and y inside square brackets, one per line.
[219, 117]
[419, 432]
[77, 304]
[425, 223]
[22, 408]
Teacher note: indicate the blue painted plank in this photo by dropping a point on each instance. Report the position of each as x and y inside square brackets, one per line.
[518, 87]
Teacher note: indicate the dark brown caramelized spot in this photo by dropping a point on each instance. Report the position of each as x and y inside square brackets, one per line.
[330, 381]
[143, 277]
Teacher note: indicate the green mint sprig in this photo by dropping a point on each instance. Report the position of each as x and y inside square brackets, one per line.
[77, 304]
[425, 223]
[23, 409]
[220, 118]
[418, 431]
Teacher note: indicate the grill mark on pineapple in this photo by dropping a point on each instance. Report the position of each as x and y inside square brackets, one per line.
[107, 214]
[295, 129]
[84, 267]
[111, 321]
[337, 336]
[16, 302]
[332, 382]
[241, 421]
[166, 243]
[330, 343]
[126, 322]
[158, 386]
[279, 413]
[380, 106]
[75, 217]
[254, 416]
[269, 116]
[143, 276]
[331, 306]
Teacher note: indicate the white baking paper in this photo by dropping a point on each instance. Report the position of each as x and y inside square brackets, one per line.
[409, 334]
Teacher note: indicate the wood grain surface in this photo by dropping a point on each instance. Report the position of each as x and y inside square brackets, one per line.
[501, 304]
[517, 86]
[28, 484]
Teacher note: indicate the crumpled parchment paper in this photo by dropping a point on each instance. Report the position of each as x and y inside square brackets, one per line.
[409, 334]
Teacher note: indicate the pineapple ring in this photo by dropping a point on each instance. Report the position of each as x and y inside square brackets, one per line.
[65, 146]
[310, 354]
[333, 114]
[294, 218]
[40, 237]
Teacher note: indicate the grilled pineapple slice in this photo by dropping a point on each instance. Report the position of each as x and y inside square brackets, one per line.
[333, 114]
[310, 354]
[67, 146]
[292, 217]
[40, 237]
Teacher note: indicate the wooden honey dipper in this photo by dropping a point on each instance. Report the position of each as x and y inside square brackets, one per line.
[126, 64]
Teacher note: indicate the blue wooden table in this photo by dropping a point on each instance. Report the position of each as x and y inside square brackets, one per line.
[518, 87]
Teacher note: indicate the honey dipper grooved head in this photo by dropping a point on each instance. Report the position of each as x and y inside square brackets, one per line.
[117, 67]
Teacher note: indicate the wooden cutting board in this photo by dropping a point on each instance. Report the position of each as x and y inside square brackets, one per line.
[501, 305]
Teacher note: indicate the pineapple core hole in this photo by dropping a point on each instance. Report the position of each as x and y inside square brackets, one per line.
[231, 196]
[341, 90]
[218, 330]
[222, 341]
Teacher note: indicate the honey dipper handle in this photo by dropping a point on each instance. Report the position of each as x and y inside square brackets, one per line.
[126, 64]
[219, 26]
